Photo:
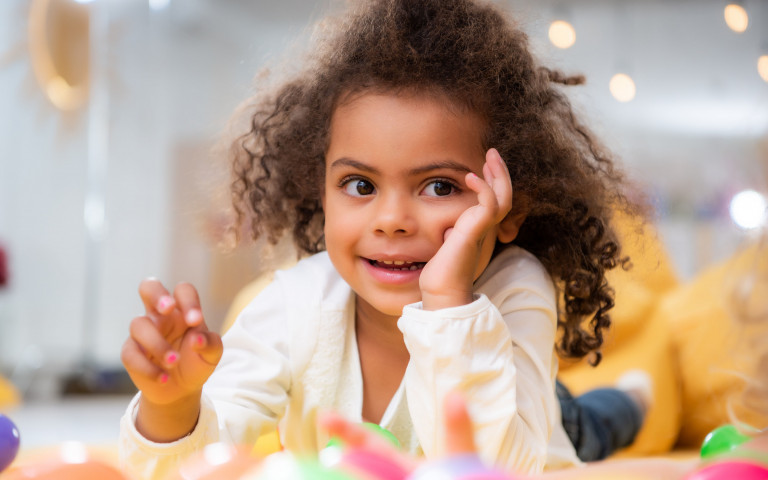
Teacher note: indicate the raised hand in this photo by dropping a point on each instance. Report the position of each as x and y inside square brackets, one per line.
[169, 355]
[447, 278]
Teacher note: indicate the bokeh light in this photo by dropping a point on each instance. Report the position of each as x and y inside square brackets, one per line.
[562, 34]
[622, 87]
[762, 67]
[748, 209]
[736, 17]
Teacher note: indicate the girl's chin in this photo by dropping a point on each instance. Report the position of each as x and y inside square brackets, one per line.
[392, 308]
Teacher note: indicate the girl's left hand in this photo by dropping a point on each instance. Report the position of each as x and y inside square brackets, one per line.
[447, 278]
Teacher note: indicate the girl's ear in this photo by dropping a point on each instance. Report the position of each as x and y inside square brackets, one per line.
[510, 226]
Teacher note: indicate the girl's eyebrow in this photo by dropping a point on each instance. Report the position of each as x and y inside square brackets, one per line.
[348, 162]
[445, 164]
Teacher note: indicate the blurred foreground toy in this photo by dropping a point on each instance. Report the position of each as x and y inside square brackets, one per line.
[458, 467]
[72, 461]
[737, 469]
[9, 442]
[287, 466]
[216, 461]
[722, 440]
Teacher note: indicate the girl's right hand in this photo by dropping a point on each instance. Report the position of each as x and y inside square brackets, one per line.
[170, 352]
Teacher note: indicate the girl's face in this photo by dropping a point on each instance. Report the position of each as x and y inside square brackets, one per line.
[394, 183]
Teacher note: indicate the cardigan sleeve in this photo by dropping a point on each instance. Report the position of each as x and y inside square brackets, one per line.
[500, 355]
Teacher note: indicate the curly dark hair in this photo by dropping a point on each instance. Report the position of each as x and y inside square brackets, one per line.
[476, 58]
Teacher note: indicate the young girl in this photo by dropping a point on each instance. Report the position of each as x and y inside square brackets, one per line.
[448, 197]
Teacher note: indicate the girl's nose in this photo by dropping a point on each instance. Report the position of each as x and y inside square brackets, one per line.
[395, 216]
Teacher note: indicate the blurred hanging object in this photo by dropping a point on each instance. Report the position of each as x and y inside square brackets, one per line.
[736, 17]
[4, 273]
[59, 43]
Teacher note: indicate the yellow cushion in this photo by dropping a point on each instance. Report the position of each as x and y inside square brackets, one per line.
[709, 346]
[638, 339]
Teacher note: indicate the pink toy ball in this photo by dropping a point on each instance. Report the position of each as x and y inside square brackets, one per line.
[730, 470]
[459, 467]
[9, 442]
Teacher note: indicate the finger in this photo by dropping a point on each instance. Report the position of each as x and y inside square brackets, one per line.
[208, 345]
[188, 302]
[501, 182]
[138, 366]
[459, 437]
[149, 339]
[155, 297]
[485, 194]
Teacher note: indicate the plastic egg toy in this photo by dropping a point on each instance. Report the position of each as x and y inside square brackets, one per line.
[722, 440]
[366, 463]
[730, 470]
[459, 467]
[9, 442]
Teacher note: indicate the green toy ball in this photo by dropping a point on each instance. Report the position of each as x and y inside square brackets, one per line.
[378, 429]
[722, 440]
[383, 432]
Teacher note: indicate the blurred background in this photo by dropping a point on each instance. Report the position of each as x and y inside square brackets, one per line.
[109, 110]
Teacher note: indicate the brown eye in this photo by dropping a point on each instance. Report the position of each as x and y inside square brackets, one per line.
[359, 187]
[439, 188]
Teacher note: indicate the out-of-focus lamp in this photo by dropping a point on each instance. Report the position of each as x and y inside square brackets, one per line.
[622, 87]
[736, 17]
[562, 34]
[748, 209]
[762, 67]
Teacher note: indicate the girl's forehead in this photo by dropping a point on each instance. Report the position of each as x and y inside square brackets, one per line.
[387, 130]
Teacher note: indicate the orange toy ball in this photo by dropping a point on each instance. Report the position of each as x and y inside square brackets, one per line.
[72, 461]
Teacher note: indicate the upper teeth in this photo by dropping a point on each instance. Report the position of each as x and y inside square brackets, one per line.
[392, 262]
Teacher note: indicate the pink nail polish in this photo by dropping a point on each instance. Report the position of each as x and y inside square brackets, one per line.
[200, 340]
[164, 303]
[170, 358]
[164, 378]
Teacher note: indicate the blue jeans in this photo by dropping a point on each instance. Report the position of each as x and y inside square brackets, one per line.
[600, 421]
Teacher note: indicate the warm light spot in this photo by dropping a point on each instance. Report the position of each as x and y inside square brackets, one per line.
[562, 34]
[73, 452]
[736, 17]
[159, 4]
[622, 87]
[748, 209]
[762, 67]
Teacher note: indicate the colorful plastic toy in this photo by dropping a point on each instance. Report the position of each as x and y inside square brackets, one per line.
[460, 467]
[722, 440]
[730, 470]
[9, 442]
[373, 427]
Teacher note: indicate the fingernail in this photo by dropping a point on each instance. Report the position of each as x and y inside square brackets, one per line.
[164, 302]
[194, 317]
[200, 340]
[163, 378]
[171, 358]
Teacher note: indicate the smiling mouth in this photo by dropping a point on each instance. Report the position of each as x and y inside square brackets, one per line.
[396, 265]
